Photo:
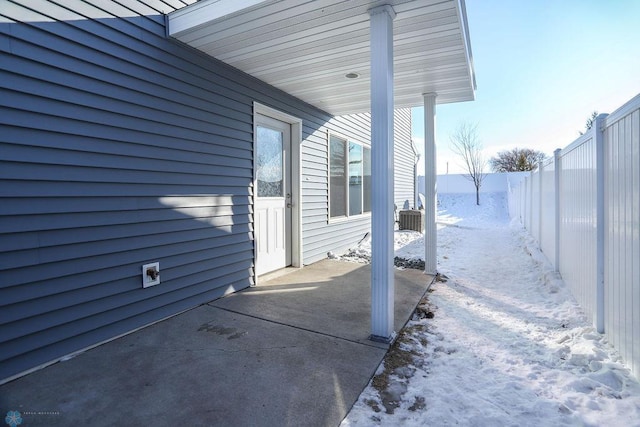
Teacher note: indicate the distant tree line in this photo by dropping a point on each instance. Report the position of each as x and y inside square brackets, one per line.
[516, 160]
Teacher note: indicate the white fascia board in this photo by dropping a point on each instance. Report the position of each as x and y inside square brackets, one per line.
[464, 28]
[200, 13]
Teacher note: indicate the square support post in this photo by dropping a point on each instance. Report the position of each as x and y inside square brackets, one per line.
[540, 203]
[430, 185]
[382, 220]
[557, 169]
[598, 138]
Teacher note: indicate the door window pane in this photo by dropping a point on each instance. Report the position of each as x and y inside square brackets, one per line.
[337, 177]
[269, 164]
[355, 179]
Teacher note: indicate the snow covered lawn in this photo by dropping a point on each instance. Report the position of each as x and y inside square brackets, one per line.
[499, 342]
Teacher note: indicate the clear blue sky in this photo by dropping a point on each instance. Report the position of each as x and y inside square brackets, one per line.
[542, 67]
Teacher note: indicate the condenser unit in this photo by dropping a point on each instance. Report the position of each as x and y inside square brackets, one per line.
[412, 220]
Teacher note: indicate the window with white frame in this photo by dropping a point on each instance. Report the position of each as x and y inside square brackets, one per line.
[349, 178]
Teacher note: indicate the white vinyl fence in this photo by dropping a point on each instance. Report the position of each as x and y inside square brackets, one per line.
[583, 208]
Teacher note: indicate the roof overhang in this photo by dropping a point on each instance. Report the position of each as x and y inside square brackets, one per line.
[307, 48]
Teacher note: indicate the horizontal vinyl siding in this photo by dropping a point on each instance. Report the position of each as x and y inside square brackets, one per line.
[119, 147]
[320, 235]
[404, 160]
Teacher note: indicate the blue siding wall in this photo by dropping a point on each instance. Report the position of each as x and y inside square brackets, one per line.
[404, 160]
[118, 147]
[320, 235]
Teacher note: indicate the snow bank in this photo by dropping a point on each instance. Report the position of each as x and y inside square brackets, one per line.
[501, 342]
[409, 250]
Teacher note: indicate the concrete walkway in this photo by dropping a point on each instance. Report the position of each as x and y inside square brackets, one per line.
[292, 351]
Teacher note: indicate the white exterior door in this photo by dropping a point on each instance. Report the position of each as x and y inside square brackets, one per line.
[272, 210]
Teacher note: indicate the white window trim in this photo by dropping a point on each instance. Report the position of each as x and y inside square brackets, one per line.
[347, 217]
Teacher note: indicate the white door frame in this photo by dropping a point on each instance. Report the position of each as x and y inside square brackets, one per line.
[296, 179]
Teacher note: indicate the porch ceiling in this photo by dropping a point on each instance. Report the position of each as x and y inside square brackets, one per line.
[306, 48]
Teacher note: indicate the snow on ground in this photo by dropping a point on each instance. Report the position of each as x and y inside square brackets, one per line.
[501, 342]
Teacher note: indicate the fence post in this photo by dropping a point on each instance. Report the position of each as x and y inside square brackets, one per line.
[523, 201]
[540, 170]
[598, 135]
[556, 182]
[527, 203]
[530, 213]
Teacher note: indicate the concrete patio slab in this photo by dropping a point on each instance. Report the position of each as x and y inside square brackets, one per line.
[292, 351]
[329, 297]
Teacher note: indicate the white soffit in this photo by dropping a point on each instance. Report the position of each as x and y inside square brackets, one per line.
[306, 48]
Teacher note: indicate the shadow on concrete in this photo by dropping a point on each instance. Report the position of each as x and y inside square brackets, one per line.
[292, 351]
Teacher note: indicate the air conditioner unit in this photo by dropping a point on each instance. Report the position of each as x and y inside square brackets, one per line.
[412, 220]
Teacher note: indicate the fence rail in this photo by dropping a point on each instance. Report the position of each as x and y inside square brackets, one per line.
[583, 208]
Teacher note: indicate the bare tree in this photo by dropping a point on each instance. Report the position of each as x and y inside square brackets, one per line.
[465, 143]
[516, 160]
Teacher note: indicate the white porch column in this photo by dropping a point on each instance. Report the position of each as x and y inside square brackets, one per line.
[430, 185]
[382, 279]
